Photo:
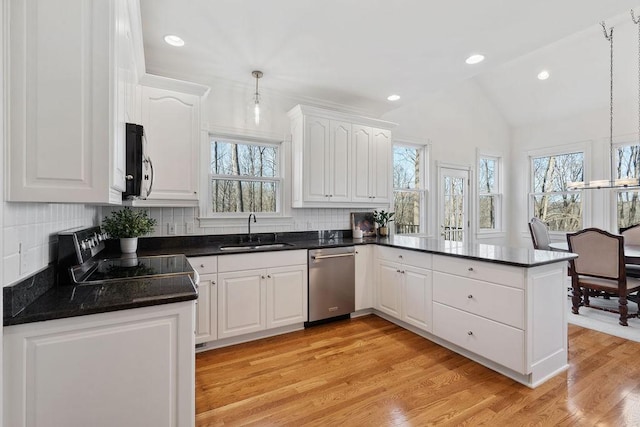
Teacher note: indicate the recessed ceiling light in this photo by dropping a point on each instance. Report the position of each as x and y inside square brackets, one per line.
[174, 40]
[474, 59]
[393, 97]
[543, 75]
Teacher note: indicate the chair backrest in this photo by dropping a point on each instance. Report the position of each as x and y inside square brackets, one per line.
[539, 234]
[600, 254]
[631, 234]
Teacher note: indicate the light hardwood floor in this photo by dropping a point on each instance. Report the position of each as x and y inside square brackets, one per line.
[370, 372]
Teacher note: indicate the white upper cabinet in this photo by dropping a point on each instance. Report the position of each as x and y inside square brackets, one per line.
[171, 121]
[339, 159]
[72, 73]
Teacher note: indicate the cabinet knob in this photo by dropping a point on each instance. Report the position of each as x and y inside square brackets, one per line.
[400, 256]
[402, 272]
[470, 333]
[398, 271]
[262, 277]
[269, 276]
[469, 296]
[129, 177]
[201, 265]
[213, 282]
[470, 268]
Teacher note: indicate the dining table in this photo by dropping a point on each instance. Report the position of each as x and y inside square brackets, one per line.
[631, 252]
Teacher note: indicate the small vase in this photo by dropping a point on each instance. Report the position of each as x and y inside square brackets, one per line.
[383, 231]
[128, 245]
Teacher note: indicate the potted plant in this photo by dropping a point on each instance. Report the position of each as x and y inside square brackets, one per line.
[382, 218]
[127, 225]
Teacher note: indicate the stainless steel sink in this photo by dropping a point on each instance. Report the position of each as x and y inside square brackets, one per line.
[254, 246]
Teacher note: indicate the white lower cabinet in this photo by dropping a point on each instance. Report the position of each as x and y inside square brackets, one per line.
[404, 288]
[207, 304]
[126, 368]
[364, 277]
[272, 296]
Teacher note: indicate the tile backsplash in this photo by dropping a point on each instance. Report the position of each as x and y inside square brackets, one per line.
[30, 234]
[186, 219]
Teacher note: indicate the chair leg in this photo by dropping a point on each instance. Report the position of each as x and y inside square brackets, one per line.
[585, 297]
[576, 299]
[624, 310]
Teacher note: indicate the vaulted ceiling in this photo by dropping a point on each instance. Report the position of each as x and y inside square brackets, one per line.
[357, 52]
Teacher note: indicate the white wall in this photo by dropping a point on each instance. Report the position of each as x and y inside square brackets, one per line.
[590, 128]
[456, 122]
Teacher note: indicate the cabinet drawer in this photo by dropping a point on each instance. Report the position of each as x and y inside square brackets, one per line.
[407, 257]
[497, 342]
[240, 262]
[204, 264]
[489, 272]
[500, 303]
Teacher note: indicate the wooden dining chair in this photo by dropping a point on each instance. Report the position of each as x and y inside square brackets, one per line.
[539, 234]
[631, 237]
[600, 267]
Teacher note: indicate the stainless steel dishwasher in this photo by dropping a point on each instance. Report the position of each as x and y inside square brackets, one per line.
[331, 283]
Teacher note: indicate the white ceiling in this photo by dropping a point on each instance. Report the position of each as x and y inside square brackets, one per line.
[357, 52]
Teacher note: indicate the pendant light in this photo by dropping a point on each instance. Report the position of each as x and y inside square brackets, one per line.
[612, 182]
[256, 97]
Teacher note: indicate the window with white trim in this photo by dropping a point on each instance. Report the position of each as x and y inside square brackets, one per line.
[561, 209]
[409, 188]
[489, 193]
[627, 165]
[244, 176]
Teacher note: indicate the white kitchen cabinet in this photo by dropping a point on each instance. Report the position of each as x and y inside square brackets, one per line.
[69, 92]
[372, 165]
[270, 296]
[405, 286]
[171, 121]
[364, 277]
[327, 160]
[125, 368]
[207, 303]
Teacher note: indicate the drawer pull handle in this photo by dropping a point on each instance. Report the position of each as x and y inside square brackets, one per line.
[470, 268]
[469, 296]
[470, 333]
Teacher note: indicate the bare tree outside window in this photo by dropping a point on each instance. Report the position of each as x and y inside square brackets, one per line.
[408, 188]
[559, 208]
[627, 165]
[488, 193]
[244, 177]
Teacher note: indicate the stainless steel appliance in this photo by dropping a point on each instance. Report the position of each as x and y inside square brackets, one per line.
[139, 177]
[331, 283]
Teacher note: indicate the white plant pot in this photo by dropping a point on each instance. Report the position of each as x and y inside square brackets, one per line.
[128, 245]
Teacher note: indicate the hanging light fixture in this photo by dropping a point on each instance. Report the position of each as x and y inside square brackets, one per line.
[256, 97]
[612, 182]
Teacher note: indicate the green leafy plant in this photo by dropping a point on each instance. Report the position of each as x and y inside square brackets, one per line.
[382, 218]
[128, 223]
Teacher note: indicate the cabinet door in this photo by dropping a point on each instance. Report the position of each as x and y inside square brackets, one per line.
[339, 161]
[389, 288]
[316, 158]
[286, 296]
[241, 303]
[364, 278]
[206, 309]
[61, 101]
[171, 123]
[361, 165]
[380, 167]
[417, 297]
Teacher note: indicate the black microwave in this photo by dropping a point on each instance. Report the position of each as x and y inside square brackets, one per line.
[139, 176]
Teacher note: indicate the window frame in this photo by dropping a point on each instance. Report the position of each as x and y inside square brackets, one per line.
[208, 218]
[424, 176]
[617, 191]
[585, 149]
[498, 194]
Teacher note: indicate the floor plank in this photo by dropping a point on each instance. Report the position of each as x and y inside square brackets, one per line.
[368, 371]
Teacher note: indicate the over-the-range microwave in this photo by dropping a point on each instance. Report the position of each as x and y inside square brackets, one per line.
[139, 177]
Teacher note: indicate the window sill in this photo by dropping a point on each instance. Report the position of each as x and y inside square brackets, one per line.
[208, 222]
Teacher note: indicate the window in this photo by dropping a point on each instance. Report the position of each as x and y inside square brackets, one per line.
[552, 203]
[627, 165]
[409, 190]
[244, 177]
[489, 193]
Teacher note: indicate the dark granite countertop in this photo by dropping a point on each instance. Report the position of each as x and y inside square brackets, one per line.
[53, 302]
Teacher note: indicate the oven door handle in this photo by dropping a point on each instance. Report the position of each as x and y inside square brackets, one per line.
[332, 256]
